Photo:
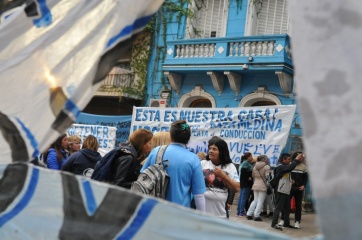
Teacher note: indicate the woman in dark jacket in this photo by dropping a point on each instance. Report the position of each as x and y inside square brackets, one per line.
[84, 161]
[127, 167]
[246, 182]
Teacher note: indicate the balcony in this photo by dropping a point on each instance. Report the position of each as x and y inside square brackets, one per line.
[116, 79]
[227, 54]
[232, 57]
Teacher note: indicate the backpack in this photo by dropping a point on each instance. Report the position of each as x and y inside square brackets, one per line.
[103, 170]
[272, 179]
[153, 181]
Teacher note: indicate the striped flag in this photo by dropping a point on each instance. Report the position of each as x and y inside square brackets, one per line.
[53, 55]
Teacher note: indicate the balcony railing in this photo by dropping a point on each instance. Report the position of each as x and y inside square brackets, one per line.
[237, 50]
[117, 79]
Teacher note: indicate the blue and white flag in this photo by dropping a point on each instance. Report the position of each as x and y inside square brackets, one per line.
[53, 55]
[38, 203]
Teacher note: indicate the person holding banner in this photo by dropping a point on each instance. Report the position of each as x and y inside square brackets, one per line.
[224, 177]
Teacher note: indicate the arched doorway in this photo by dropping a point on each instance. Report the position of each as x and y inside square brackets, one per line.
[197, 98]
[263, 103]
[201, 103]
[259, 99]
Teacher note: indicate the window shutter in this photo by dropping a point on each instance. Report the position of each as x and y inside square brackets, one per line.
[273, 17]
[209, 19]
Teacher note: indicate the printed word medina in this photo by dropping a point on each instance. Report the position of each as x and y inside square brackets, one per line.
[251, 125]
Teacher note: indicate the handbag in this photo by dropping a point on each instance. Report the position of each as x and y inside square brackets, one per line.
[268, 187]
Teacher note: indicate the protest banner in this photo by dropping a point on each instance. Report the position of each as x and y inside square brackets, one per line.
[106, 135]
[121, 122]
[259, 130]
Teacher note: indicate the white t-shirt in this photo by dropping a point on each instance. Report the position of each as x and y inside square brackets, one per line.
[216, 192]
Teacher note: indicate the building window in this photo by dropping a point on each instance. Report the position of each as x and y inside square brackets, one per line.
[201, 103]
[263, 103]
[268, 17]
[209, 19]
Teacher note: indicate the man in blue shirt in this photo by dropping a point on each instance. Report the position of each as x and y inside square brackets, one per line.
[184, 168]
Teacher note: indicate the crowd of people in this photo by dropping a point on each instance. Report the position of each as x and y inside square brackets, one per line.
[207, 182]
[291, 176]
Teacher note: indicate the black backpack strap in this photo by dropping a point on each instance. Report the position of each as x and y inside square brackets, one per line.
[160, 153]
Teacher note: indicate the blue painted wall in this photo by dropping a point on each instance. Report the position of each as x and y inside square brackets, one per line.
[251, 80]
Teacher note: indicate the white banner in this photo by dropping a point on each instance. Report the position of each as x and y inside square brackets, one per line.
[106, 135]
[260, 130]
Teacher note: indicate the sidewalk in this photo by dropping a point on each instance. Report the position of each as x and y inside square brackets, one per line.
[308, 227]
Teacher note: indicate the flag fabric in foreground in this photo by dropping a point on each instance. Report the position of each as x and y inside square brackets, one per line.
[53, 55]
[327, 53]
[38, 203]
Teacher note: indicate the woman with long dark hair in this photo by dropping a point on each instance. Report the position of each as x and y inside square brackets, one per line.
[56, 155]
[221, 166]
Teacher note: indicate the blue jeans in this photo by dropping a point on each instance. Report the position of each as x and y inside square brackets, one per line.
[243, 197]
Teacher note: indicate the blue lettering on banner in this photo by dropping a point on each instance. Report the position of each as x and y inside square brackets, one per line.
[243, 134]
[257, 114]
[205, 115]
[260, 149]
[174, 116]
[197, 117]
[256, 124]
[103, 143]
[166, 118]
[152, 129]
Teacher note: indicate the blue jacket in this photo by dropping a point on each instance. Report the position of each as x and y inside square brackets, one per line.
[52, 159]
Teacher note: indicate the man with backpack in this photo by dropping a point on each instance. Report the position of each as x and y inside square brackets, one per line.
[184, 168]
[283, 175]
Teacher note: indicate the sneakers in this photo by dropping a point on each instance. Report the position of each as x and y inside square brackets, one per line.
[264, 214]
[289, 226]
[258, 219]
[277, 227]
[281, 223]
[297, 225]
[270, 215]
[249, 217]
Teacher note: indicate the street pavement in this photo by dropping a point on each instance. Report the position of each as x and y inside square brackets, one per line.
[308, 226]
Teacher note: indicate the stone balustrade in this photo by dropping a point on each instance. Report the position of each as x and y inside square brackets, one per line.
[195, 50]
[235, 49]
[256, 48]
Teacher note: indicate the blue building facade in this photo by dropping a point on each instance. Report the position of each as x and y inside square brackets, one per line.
[223, 53]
